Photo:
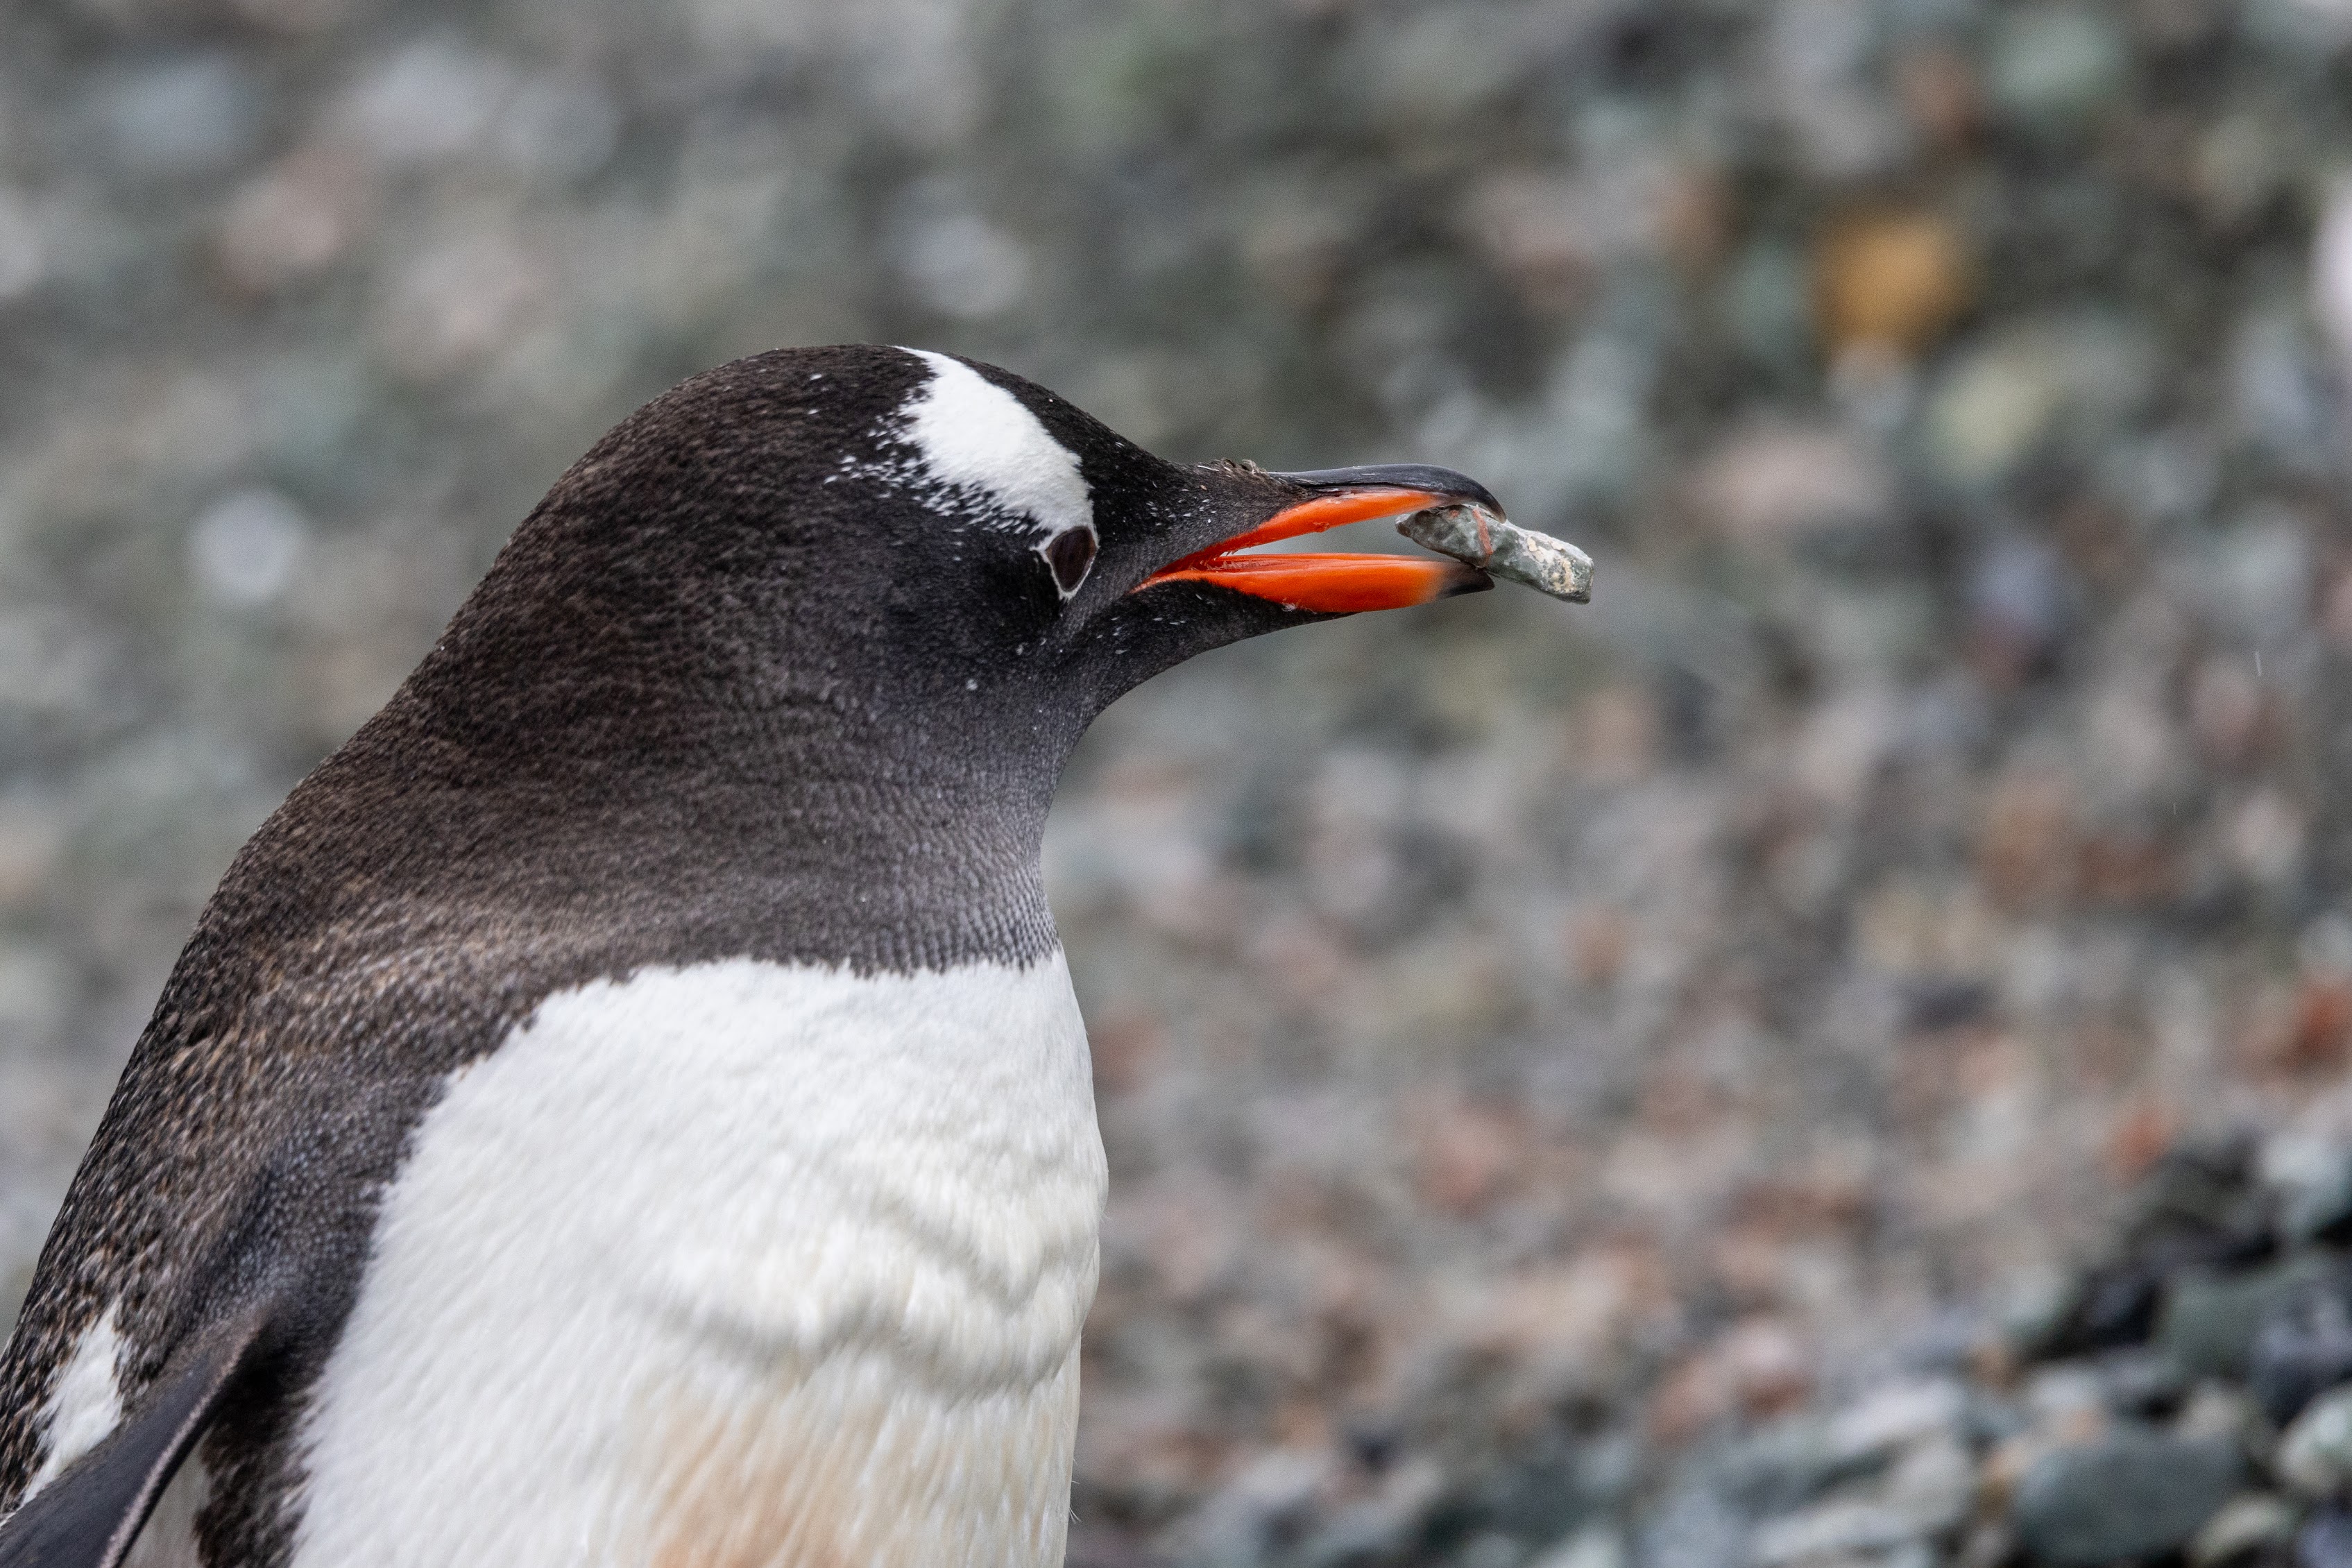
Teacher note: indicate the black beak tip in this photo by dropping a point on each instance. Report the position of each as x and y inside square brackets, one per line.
[1399, 476]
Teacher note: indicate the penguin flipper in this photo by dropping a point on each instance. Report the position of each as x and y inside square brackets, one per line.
[88, 1515]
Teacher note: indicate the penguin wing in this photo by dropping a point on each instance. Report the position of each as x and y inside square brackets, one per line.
[90, 1513]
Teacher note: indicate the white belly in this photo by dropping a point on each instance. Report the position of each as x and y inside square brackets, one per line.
[740, 1265]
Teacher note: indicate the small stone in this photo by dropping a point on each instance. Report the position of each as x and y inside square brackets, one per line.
[1786, 1464]
[2314, 1458]
[2140, 1381]
[2254, 578]
[2302, 1351]
[1479, 538]
[37, 992]
[1594, 1546]
[1379, 1527]
[2217, 1410]
[455, 306]
[2038, 1309]
[1549, 233]
[1693, 1527]
[1773, 485]
[2210, 1323]
[293, 223]
[429, 101]
[2020, 600]
[1835, 1528]
[2311, 1176]
[2064, 376]
[2331, 271]
[1991, 1544]
[1898, 1414]
[1989, 412]
[187, 117]
[2326, 1542]
[22, 261]
[2239, 166]
[1766, 299]
[2056, 1393]
[246, 547]
[961, 264]
[561, 128]
[1925, 1493]
[2278, 387]
[1933, 1485]
[2137, 1493]
[1492, 1549]
[1274, 1495]
[1891, 282]
[2246, 1524]
[2055, 65]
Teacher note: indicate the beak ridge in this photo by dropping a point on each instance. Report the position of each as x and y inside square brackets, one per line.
[1423, 476]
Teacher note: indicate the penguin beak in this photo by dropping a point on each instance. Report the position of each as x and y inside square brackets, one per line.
[1335, 584]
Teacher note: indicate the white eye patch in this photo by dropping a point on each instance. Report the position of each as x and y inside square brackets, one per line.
[976, 437]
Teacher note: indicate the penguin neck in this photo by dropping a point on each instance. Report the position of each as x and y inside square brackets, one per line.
[818, 831]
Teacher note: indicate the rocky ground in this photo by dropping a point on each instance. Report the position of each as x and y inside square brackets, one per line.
[1639, 1085]
[2181, 1400]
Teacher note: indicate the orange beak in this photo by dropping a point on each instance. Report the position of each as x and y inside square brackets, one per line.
[1334, 583]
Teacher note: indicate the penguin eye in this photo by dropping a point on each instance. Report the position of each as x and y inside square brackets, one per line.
[1070, 554]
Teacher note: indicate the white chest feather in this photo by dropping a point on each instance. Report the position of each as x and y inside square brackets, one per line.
[738, 1265]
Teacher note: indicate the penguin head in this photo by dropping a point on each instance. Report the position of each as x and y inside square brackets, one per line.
[876, 536]
[1087, 565]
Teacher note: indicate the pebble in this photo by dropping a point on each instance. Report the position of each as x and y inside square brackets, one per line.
[2219, 1410]
[2315, 1456]
[1900, 1412]
[2320, 1208]
[192, 116]
[1476, 535]
[245, 548]
[2055, 63]
[2326, 1542]
[2135, 1493]
[1828, 1530]
[1596, 1546]
[2301, 1351]
[2210, 1323]
[2248, 1524]
[1892, 282]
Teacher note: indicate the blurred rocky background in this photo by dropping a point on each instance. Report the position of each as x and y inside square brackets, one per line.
[1838, 1054]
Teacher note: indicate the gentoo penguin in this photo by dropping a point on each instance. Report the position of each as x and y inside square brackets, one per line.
[627, 1106]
